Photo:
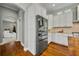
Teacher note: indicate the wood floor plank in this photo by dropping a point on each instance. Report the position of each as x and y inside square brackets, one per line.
[16, 49]
[53, 49]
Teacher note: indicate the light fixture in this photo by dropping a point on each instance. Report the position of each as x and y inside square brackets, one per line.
[53, 5]
[67, 10]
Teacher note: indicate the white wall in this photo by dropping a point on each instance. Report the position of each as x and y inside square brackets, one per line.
[33, 10]
[31, 29]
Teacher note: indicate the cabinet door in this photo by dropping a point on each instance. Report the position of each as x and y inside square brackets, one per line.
[59, 21]
[78, 12]
[63, 20]
[56, 21]
[50, 21]
[68, 18]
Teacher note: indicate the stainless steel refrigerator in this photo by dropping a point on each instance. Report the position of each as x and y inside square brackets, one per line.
[42, 34]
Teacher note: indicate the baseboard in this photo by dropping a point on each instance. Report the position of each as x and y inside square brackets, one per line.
[25, 49]
[59, 44]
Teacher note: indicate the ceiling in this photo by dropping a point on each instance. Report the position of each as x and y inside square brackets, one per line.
[50, 9]
[10, 6]
[16, 6]
[55, 7]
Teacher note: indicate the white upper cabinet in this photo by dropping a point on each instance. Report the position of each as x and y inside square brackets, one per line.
[56, 21]
[68, 17]
[63, 19]
[78, 12]
[50, 21]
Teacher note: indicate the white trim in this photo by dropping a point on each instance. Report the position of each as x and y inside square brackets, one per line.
[25, 49]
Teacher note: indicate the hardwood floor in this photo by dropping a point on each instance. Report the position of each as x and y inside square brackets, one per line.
[16, 49]
[56, 50]
[13, 49]
[73, 46]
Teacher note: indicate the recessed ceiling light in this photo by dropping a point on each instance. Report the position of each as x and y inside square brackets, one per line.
[67, 10]
[59, 13]
[53, 5]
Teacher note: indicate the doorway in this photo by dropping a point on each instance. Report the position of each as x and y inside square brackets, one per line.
[11, 25]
